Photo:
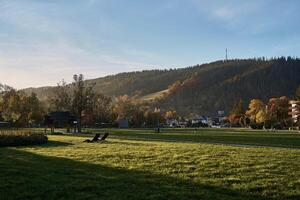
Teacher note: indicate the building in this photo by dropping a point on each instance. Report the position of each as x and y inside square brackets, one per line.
[172, 122]
[221, 116]
[200, 121]
[60, 119]
[123, 123]
[294, 110]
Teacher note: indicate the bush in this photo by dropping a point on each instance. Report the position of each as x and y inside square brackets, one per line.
[21, 138]
[257, 125]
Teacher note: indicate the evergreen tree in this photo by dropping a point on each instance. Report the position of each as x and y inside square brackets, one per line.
[298, 93]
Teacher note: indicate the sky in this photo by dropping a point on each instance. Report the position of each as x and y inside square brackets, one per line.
[45, 41]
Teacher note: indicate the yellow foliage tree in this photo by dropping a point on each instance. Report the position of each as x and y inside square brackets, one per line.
[261, 116]
[172, 114]
[256, 106]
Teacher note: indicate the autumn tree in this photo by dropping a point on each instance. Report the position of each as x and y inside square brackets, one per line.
[130, 109]
[234, 119]
[10, 106]
[62, 99]
[171, 114]
[35, 108]
[98, 109]
[236, 113]
[124, 107]
[136, 112]
[278, 111]
[82, 101]
[20, 109]
[83, 94]
[255, 111]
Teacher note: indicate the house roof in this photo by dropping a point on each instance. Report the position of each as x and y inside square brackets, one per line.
[59, 116]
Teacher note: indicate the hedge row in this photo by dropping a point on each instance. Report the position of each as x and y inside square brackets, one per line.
[21, 138]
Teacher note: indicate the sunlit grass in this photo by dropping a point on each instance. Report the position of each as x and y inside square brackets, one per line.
[21, 137]
[139, 169]
[207, 135]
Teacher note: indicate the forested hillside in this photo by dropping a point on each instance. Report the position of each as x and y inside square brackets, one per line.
[203, 89]
[219, 85]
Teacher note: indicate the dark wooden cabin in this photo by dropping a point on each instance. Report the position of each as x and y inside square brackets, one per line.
[60, 119]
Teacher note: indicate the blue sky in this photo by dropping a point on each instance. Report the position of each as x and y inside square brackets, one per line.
[44, 41]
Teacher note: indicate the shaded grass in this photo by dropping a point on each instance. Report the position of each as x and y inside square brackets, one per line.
[128, 169]
[60, 178]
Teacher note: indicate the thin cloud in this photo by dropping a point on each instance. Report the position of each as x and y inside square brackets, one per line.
[238, 16]
[28, 16]
[55, 39]
[49, 49]
[60, 59]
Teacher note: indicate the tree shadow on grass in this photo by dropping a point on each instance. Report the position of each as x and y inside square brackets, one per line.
[56, 144]
[26, 175]
[49, 144]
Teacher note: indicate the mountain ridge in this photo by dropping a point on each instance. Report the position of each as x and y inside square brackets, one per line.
[204, 88]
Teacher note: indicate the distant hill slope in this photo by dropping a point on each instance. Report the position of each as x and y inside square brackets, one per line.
[219, 85]
[203, 89]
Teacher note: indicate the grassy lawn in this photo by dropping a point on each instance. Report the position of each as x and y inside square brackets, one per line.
[138, 164]
[209, 135]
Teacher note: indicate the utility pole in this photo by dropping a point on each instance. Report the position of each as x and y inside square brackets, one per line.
[226, 56]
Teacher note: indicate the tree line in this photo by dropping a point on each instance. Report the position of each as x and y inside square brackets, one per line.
[275, 113]
[20, 109]
[90, 107]
[82, 101]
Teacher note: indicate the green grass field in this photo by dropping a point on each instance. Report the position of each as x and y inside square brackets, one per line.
[138, 164]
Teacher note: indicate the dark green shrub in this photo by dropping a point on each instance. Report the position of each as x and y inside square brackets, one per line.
[21, 138]
[257, 125]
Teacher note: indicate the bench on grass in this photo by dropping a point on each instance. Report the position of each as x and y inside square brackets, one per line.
[96, 138]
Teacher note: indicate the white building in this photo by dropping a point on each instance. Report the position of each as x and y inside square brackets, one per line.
[172, 122]
[295, 110]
